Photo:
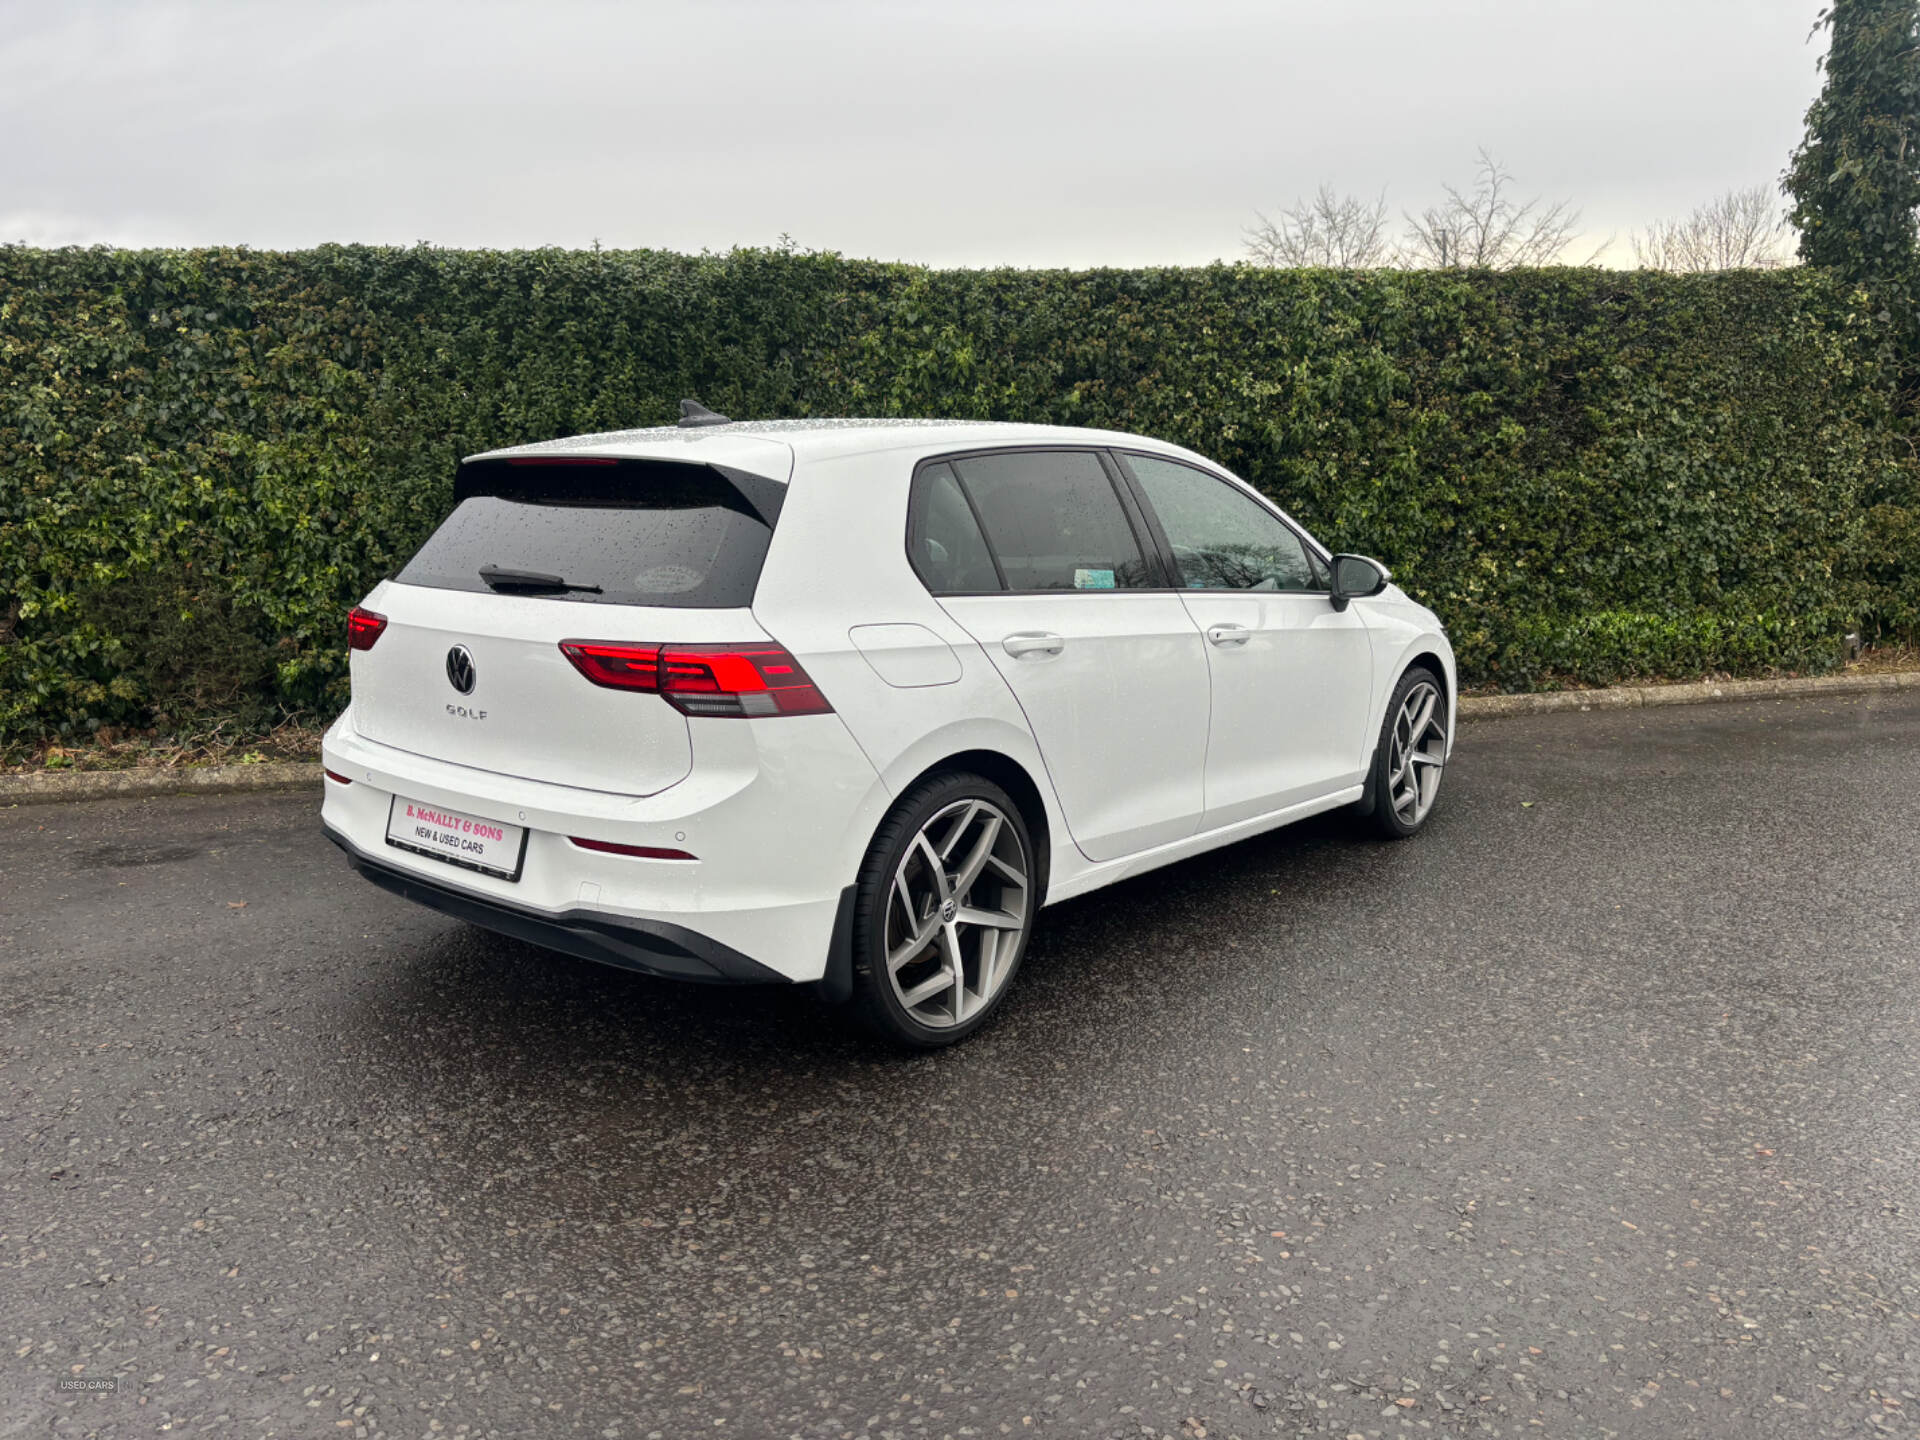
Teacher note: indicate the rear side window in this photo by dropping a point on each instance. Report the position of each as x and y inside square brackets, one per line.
[627, 533]
[946, 544]
[1054, 521]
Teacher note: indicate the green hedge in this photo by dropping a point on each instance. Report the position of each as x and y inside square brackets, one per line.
[207, 456]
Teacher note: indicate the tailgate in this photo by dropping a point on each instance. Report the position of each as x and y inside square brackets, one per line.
[525, 711]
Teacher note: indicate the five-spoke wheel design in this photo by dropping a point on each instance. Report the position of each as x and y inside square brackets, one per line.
[1417, 753]
[956, 914]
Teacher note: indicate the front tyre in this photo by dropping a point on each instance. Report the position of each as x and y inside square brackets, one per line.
[942, 910]
[1410, 756]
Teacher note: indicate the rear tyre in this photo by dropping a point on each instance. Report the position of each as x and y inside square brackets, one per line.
[942, 910]
[1405, 781]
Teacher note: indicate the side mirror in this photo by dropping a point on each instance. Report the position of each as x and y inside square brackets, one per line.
[1355, 577]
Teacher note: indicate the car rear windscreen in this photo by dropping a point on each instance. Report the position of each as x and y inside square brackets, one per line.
[622, 532]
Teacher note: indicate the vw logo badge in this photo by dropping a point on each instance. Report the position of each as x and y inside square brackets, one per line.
[460, 673]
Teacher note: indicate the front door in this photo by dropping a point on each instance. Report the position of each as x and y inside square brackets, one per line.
[1291, 677]
[1034, 554]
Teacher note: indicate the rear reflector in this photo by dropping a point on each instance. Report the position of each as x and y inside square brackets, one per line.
[644, 852]
[363, 628]
[723, 681]
[336, 778]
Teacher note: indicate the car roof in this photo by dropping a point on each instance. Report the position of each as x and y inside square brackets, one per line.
[758, 444]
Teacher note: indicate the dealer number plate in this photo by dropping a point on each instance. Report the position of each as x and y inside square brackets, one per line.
[464, 840]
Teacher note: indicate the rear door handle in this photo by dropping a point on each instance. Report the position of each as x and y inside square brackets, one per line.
[1033, 642]
[1228, 634]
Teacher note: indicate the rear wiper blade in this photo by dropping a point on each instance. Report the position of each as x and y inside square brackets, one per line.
[501, 578]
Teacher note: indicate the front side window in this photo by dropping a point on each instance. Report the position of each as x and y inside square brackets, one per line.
[1221, 538]
[1054, 521]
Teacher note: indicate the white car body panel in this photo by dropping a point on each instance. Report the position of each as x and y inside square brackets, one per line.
[752, 889]
[780, 811]
[528, 713]
[907, 657]
[1402, 631]
[1124, 694]
[1083, 879]
[1292, 687]
[842, 566]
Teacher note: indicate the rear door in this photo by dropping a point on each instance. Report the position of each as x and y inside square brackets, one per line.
[1038, 557]
[468, 668]
[1291, 677]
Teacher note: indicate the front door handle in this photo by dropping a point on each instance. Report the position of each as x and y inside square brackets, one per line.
[1033, 642]
[1228, 634]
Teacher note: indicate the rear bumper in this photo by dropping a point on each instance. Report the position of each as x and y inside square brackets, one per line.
[651, 947]
[780, 823]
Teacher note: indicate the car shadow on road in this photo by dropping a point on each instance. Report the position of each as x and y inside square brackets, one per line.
[580, 1083]
[1164, 939]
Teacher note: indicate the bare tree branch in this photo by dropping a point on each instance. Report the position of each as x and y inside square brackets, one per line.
[1742, 230]
[1488, 227]
[1341, 232]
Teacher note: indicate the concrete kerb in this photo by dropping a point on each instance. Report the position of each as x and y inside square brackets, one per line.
[1702, 692]
[51, 787]
[55, 786]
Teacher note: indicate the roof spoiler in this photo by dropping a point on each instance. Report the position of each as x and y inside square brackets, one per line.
[610, 479]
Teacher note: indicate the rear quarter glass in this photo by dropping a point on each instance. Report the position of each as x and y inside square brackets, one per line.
[626, 532]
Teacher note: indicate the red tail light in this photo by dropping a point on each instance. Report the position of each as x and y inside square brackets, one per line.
[617, 667]
[738, 681]
[363, 628]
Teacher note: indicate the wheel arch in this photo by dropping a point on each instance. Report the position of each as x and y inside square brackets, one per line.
[1430, 660]
[1420, 657]
[836, 982]
[1011, 776]
[1424, 654]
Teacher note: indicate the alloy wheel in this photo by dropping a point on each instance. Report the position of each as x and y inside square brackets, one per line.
[956, 912]
[1417, 754]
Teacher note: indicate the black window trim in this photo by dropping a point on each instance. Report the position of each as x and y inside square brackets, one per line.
[1152, 551]
[1170, 564]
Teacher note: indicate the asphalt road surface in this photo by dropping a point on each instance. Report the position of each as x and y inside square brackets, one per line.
[1594, 1110]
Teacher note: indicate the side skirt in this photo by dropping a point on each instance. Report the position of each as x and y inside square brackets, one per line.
[1095, 876]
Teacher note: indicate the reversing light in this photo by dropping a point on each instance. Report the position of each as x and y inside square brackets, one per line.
[736, 680]
[721, 681]
[644, 852]
[363, 628]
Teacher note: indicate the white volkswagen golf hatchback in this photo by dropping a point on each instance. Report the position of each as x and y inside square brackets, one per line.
[847, 702]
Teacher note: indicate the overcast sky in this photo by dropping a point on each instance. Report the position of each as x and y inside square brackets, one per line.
[967, 132]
